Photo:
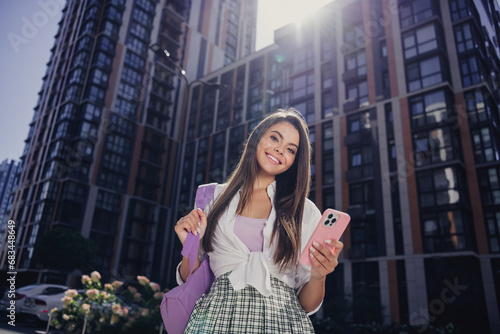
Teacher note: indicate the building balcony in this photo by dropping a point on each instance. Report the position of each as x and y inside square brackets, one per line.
[357, 138]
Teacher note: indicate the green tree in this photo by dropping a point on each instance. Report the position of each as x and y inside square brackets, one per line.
[64, 249]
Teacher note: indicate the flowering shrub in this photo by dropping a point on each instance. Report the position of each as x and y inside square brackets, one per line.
[110, 308]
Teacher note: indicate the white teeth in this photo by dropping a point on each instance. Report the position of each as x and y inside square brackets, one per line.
[273, 159]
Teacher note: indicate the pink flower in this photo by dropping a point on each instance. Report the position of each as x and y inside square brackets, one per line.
[95, 276]
[143, 280]
[86, 279]
[132, 290]
[154, 286]
[116, 309]
[117, 284]
[71, 293]
[124, 311]
[108, 287]
[137, 297]
[85, 308]
[159, 295]
[65, 317]
[104, 295]
[67, 300]
[92, 293]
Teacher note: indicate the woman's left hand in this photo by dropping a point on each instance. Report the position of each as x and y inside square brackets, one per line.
[323, 259]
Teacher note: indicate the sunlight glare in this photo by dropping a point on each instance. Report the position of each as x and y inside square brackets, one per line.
[274, 14]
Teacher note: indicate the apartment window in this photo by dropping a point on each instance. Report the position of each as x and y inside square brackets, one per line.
[326, 76]
[223, 115]
[435, 146]
[141, 16]
[112, 14]
[307, 110]
[479, 107]
[130, 76]
[391, 146]
[312, 140]
[445, 231]
[428, 109]
[106, 44]
[103, 60]
[136, 44]
[420, 41]
[424, 74]
[358, 92]
[303, 86]
[464, 38]
[485, 148]
[354, 36]
[111, 29]
[118, 144]
[492, 220]
[472, 71]
[360, 158]
[356, 61]
[327, 144]
[81, 59]
[217, 159]
[326, 49]
[489, 186]
[99, 77]
[442, 186]
[72, 93]
[362, 194]
[412, 12]
[303, 58]
[327, 105]
[459, 9]
[359, 122]
[128, 92]
[383, 49]
[328, 198]
[135, 61]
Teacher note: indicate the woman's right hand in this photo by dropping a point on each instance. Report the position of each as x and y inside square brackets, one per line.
[195, 222]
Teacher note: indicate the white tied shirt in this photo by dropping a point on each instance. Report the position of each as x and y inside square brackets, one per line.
[255, 268]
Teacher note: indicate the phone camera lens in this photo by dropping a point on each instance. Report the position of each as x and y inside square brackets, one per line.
[327, 222]
[330, 216]
[334, 220]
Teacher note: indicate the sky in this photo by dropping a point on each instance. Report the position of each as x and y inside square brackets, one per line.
[27, 30]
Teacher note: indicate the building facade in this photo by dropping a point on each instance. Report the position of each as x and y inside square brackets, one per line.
[8, 171]
[102, 152]
[401, 98]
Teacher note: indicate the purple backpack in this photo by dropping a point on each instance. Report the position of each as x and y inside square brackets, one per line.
[178, 304]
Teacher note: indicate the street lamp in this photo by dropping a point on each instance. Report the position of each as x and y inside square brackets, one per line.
[164, 54]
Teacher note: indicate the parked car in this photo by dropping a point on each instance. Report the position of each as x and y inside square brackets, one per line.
[28, 291]
[37, 308]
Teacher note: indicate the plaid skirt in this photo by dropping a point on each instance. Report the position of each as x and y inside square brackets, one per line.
[224, 310]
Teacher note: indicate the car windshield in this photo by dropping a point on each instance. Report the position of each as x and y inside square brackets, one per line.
[27, 287]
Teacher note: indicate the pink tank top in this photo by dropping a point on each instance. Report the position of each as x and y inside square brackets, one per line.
[251, 232]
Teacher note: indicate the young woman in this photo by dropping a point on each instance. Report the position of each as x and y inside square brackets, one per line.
[253, 232]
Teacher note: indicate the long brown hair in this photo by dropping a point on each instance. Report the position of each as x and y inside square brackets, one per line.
[292, 188]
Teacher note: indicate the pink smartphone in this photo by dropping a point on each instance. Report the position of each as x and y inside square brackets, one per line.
[331, 226]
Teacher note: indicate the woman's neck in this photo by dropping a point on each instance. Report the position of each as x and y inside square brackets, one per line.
[262, 182]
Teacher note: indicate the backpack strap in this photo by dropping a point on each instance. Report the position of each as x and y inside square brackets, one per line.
[204, 195]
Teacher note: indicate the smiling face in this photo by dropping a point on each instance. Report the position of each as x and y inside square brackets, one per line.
[277, 149]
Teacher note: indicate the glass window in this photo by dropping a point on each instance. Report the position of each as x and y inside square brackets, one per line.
[362, 194]
[360, 158]
[303, 86]
[486, 146]
[430, 108]
[412, 12]
[307, 110]
[359, 122]
[356, 61]
[464, 38]
[435, 146]
[480, 107]
[441, 186]
[420, 41]
[489, 186]
[424, 74]
[472, 71]
[358, 92]
[446, 231]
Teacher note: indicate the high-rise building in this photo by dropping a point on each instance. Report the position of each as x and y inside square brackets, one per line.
[8, 170]
[401, 98]
[102, 152]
